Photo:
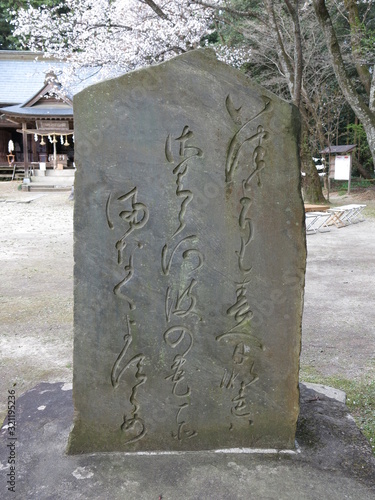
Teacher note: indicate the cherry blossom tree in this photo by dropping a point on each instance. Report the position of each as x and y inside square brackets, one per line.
[113, 36]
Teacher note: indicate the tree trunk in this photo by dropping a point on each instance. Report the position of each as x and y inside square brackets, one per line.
[369, 128]
[363, 111]
[362, 170]
[356, 35]
[311, 186]
[293, 71]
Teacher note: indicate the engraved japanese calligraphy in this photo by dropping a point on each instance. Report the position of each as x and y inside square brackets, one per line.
[250, 134]
[182, 304]
[135, 215]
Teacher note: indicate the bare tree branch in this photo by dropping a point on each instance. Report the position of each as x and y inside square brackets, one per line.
[229, 10]
[298, 60]
[156, 9]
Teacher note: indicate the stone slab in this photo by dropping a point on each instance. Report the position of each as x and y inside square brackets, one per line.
[189, 261]
[330, 392]
[333, 461]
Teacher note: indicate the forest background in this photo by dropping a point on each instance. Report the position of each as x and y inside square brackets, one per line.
[319, 55]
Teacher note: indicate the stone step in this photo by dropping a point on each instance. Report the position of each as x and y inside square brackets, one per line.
[54, 173]
[58, 181]
[34, 186]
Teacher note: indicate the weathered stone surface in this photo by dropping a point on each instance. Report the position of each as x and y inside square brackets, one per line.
[189, 262]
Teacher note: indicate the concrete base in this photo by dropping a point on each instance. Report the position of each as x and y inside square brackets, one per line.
[333, 460]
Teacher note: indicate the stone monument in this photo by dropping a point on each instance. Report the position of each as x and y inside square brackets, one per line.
[189, 262]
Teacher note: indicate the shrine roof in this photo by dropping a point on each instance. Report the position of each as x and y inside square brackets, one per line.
[38, 112]
[22, 75]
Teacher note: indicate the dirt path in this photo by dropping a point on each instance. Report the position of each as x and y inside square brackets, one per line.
[36, 308]
[338, 335]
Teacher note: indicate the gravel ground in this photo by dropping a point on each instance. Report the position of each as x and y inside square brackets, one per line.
[36, 308]
[338, 336]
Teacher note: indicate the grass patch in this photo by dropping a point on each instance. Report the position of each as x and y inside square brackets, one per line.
[355, 184]
[360, 398]
[369, 211]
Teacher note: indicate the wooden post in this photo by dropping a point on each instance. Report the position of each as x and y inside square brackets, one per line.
[350, 173]
[25, 154]
[35, 155]
[54, 153]
[329, 187]
[329, 173]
